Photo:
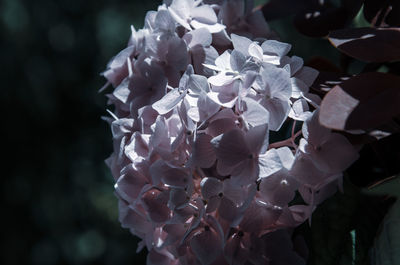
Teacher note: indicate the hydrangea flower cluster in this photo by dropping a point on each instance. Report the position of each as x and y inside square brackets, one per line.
[197, 92]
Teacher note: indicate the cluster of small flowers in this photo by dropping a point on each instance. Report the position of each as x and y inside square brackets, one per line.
[197, 92]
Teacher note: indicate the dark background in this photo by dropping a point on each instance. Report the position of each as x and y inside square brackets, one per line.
[59, 206]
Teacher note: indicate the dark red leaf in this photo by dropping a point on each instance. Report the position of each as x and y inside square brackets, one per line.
[372, 8]
[319, 20]
[275, 9]
[362, 102]
[322, 64]
[326, 81]
[368, 44]
[388, 9]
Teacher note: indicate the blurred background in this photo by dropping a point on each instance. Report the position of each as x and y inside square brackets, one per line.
[59, 206]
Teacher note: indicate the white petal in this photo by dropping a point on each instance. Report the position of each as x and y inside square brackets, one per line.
[168, 102]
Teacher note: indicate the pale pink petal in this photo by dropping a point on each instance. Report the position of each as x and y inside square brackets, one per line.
[130, 183]
[155, 204]
[203, 151]
[231, 147]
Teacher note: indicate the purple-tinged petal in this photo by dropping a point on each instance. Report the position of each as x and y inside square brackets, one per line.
[178, 198]
[234, 251]
[257, 139]
[156, 258]
[176, 177]
[213, 204]
[334, 155]
[220, 126]
[228, 210]
[130, 183]
[314, 132]
[203, 152]
[278, 189]
[210, 187]
[307, 75]
[155, 204]
[137, 149]
[231, 147]
[259, 217]
[206, 245]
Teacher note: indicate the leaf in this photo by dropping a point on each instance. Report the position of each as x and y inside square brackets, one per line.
[386, 249]
[378, 162]
[374, 8]
[389, 186]
[337, 221]
[275, 9]
[320, 17]
[362, 102]
[331, 243]
[368, 44]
